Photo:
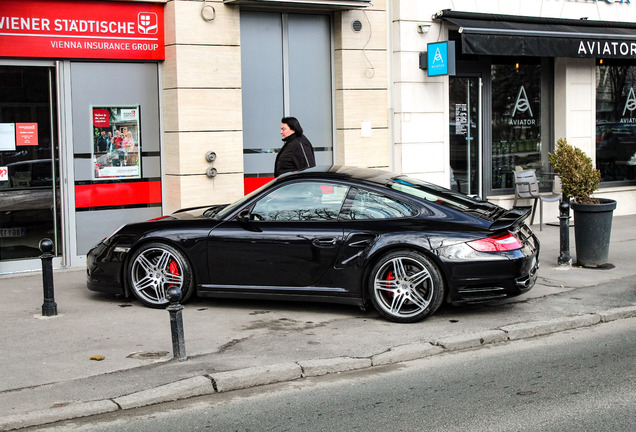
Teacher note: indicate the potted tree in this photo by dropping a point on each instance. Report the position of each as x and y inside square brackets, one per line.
[592, 216]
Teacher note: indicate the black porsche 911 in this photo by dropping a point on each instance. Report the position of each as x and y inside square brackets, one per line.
[339, 234]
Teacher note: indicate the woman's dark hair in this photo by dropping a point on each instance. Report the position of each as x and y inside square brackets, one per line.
[293, 124]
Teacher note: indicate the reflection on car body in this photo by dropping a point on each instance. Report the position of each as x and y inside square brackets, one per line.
[338, 234]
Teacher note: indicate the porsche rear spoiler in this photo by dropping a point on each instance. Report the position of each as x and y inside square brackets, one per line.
[510, 218]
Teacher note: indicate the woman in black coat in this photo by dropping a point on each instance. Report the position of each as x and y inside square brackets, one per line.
[297, 153]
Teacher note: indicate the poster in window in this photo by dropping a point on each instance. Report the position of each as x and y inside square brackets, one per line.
[7, 136]
[116, 142]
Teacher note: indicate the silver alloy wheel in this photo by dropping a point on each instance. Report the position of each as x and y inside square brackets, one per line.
[403, 288]
[153, 271]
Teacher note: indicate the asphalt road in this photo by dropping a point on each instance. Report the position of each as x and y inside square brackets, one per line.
[577, 380]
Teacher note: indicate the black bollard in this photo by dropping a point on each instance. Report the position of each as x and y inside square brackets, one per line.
[176, 323]
[564, 230]
[49, 307]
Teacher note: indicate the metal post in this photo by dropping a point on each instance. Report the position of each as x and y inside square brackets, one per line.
[564, 230]
[176, 323]
[49, 307]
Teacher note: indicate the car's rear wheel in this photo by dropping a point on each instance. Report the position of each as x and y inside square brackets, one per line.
[156, 267]
[405, 286]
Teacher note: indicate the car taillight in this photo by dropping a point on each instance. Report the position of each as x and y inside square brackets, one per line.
[499, 243]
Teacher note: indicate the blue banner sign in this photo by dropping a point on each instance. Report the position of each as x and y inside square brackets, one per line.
[441, 58]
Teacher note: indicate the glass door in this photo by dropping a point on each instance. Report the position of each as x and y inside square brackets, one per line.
[286, 71]
[29, 163]
[465, 135]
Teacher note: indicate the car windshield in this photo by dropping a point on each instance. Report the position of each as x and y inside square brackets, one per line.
[237, 204]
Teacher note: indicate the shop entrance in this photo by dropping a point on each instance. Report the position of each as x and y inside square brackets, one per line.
[465, 135]
[285, 71]
[29, 163]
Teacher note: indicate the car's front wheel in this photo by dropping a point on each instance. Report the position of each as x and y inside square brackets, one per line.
[405, 286]
[156, 267]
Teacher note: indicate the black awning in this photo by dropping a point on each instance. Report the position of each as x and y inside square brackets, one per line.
[509, 35]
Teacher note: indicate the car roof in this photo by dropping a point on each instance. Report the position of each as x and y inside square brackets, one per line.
[343, 172]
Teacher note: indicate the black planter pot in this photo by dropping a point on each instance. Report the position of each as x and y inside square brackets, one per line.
[592, 229]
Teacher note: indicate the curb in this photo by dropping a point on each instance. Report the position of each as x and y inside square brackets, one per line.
[256, 376]
[473, 340]
[56, 414]
[262, 375]
[187, 388]
[532, 329]
[404, 353]
[319, 367]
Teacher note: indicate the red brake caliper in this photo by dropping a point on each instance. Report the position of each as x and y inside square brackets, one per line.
[174, 269]
[390, 277]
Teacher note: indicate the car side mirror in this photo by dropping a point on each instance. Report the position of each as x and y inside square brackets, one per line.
[243, 215]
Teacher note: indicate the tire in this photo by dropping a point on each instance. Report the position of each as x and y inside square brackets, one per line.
[405, 286]
[155, 267]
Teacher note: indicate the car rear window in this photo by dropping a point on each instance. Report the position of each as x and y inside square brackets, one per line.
[432, 193]
[367, 205]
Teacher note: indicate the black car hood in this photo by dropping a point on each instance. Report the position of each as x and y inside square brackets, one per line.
[204, 212]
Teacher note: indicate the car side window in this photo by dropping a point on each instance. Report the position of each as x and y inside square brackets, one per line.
[301, 201]
[367, 205]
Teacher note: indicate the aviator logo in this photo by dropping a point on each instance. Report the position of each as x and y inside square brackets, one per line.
[630, 103]
[147, 23]
[522, 104]
[438, 57]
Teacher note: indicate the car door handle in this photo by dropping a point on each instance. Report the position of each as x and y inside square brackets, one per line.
[324, 242]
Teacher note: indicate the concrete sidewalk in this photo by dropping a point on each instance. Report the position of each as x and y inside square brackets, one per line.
[48, 374]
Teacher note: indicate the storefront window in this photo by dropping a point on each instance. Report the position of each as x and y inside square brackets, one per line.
[29, 163]
[616, 122]
[516, 122]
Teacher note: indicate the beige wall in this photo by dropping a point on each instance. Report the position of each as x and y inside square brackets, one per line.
[361, 86]
[575, 102]
[420, 103]
[202, 105]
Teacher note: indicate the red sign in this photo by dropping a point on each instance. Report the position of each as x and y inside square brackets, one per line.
[81, 29]
[101, 117]
[117, 194]
[26, 134]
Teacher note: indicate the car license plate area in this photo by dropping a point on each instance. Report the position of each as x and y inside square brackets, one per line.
[12, 232]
